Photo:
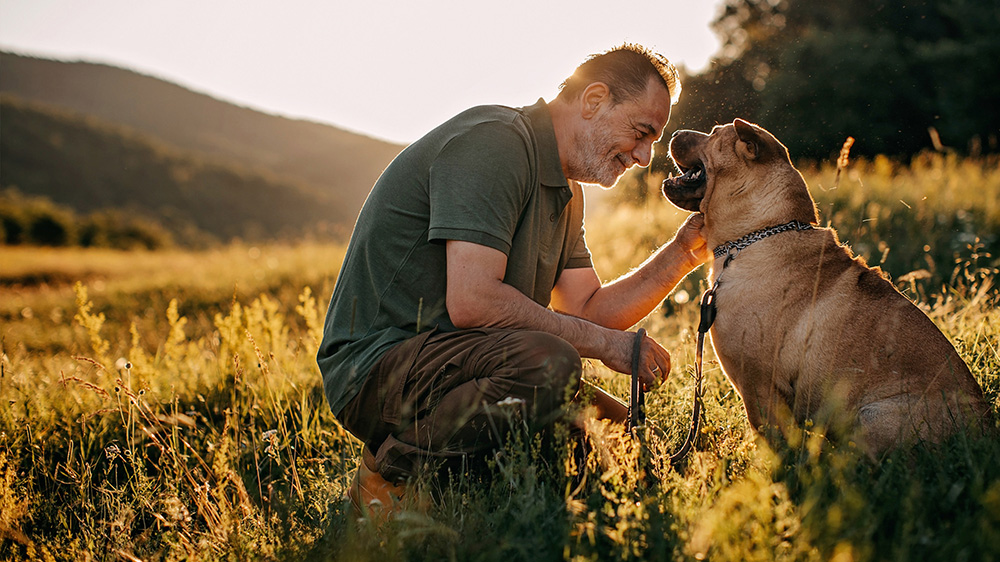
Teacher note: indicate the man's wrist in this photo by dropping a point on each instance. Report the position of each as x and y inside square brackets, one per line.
[680, 258]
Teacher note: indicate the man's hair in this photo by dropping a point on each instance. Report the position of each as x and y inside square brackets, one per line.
[626, 70]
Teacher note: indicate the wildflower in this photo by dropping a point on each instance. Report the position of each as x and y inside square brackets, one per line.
[271, 438]
[175, 510]
[112, 451]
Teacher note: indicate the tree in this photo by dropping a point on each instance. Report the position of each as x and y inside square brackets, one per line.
[814, 72]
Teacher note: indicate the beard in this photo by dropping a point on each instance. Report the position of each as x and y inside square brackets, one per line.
[597, 162]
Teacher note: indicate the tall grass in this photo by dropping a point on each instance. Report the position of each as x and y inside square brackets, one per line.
[166, 405]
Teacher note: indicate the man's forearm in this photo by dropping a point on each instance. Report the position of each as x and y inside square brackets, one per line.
[477, 297]
[499, 305]
[630, 298]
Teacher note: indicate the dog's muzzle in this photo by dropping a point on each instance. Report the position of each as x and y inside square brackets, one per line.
[687, 190]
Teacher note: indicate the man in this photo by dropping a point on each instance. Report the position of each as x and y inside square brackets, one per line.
[468, 281]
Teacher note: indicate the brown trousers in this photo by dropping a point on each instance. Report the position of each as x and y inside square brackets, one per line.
[432, 400]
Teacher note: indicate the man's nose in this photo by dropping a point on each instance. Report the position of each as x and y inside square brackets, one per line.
[643, 153]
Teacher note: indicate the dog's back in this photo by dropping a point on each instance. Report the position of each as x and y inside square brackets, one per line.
[919, 386]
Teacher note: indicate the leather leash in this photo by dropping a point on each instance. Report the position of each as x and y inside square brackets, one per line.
[637, 397]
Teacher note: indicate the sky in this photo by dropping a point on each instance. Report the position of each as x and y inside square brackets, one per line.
[391, 69]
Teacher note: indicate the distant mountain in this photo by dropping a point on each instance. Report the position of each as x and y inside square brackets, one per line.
[88, 165]
[296, 172]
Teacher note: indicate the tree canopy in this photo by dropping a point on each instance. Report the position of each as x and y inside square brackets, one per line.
[898, 75]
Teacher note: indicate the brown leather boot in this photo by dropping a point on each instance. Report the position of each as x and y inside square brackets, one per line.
[370, 493]
[607, 406]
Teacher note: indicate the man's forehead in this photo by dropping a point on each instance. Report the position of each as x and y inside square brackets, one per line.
[652, 109]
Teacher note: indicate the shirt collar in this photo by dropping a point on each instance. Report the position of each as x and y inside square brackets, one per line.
[549, 166]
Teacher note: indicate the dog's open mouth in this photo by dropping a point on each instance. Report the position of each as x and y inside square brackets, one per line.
[686, 190]
[692, 176]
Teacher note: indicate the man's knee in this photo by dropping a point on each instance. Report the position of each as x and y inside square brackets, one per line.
[548, 361]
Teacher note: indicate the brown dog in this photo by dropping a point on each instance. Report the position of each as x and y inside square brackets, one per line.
[803, 330]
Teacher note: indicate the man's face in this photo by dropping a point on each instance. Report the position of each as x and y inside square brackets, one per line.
[620, 136]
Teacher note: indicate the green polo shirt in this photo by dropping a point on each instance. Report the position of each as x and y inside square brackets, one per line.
[491, 176]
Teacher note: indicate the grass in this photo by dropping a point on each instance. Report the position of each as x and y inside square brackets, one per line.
[166, 406]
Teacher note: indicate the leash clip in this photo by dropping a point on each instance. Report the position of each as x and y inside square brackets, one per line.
[731, 255]
[708, 311]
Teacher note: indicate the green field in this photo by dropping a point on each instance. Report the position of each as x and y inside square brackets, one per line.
[166, 406]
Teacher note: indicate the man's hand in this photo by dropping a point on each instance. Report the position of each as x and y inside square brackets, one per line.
[654, 361]
[691, 242]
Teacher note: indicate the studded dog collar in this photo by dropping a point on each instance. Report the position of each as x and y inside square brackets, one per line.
[757, 235]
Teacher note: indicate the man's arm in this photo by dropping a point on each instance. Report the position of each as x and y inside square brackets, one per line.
[477, 297]
[628, 299]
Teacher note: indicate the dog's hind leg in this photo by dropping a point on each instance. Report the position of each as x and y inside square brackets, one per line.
[884, 424]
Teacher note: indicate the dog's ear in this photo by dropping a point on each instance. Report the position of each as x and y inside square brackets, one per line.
[749, 136]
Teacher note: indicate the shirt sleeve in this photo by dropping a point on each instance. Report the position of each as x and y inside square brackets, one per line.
[579, 253]
[479, 185]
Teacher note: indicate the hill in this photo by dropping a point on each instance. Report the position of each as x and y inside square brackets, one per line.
[330, 163]
[89, 165]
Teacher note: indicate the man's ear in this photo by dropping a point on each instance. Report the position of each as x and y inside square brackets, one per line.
[593, 97]
[749, 136]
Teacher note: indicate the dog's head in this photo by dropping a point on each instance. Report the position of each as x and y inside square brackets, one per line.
[740, 177]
